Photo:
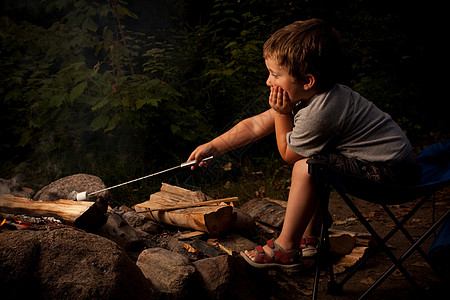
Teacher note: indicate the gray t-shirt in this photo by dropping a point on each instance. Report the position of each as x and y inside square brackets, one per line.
[342, 121]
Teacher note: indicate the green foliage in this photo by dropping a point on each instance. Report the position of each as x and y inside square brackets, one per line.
[84, 92]
[86, 83]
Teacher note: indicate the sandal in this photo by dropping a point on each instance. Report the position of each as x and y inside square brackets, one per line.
[309, 246]
[279, 258]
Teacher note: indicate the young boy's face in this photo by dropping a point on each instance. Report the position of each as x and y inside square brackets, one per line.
[280, 77]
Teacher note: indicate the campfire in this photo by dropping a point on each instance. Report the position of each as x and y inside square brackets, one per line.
[176, 229]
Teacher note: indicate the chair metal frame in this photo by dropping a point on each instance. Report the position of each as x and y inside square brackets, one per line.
[326, 178]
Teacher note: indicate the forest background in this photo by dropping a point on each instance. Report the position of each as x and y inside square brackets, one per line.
[122, 89]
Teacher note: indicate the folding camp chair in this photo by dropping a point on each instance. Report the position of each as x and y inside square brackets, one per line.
[435, 163]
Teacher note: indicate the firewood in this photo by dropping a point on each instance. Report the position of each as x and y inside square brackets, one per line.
[352, 258]
[89, 216]
[341, 243]
[191, 234]
[213, 219]
[282, 203]
[232, 243]
[182, 194]
[197, 204]
[265, 211]
[242, 222]
[361, 238]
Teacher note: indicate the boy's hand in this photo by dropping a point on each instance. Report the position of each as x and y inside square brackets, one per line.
[201, 152]
[279, 100]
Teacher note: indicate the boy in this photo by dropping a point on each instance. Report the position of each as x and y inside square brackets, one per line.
[312, 115]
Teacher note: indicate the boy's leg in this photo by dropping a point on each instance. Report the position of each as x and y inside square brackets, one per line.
[313, 229]
[301, 206]
[302, 212]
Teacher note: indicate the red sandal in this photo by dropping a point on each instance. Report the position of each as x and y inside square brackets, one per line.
[279, 258]
[309, 246]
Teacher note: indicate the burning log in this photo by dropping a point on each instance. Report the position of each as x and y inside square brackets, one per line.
[88, 216]
[162, 207]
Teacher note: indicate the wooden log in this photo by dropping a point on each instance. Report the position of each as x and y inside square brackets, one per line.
[352, 258]
[196, 204]
[242, 222]
[85, 215]
[265, 211]
[191, 234]
[232, 243]
[177, 193]
[268, 232]
[282, 203]
[361, 238]
[213, 219]
[341, 243]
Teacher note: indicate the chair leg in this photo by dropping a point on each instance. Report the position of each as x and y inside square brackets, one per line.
[323, 254]
[323, 193]
[382, 244]
[404, 231]
[408, 253]
[318, 261]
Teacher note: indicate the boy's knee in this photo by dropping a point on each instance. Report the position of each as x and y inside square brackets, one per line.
[300, 168]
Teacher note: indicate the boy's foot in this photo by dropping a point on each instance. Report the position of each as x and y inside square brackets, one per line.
[309, 246]
[277, 257]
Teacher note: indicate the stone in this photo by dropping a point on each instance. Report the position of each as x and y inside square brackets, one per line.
[170, 273]
[230, 277]
[63, 188]
[67, 263]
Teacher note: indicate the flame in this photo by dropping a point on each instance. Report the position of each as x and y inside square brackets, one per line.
[3, 222]
[23, 224]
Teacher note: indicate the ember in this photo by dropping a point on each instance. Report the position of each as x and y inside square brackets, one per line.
[14, 223]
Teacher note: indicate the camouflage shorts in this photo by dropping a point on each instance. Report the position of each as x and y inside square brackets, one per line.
[386, 173]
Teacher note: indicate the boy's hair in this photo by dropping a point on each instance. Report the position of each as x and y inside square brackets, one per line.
[307, 47]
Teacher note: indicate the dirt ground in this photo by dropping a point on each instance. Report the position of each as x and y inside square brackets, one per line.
[396, 286]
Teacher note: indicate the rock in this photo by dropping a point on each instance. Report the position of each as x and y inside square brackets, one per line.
[229, 277]
[170, 273]
[63, 187]
[67, 263]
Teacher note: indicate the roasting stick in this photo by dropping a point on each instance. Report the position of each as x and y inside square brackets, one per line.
[84, 195]
[196, 204]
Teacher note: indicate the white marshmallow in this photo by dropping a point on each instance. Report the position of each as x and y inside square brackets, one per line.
[82, 196]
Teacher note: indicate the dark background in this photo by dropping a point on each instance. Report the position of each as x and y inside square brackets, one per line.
[121, 89]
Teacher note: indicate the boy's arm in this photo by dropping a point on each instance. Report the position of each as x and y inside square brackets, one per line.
[283, 124]
[281, 104]
[245, 132]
